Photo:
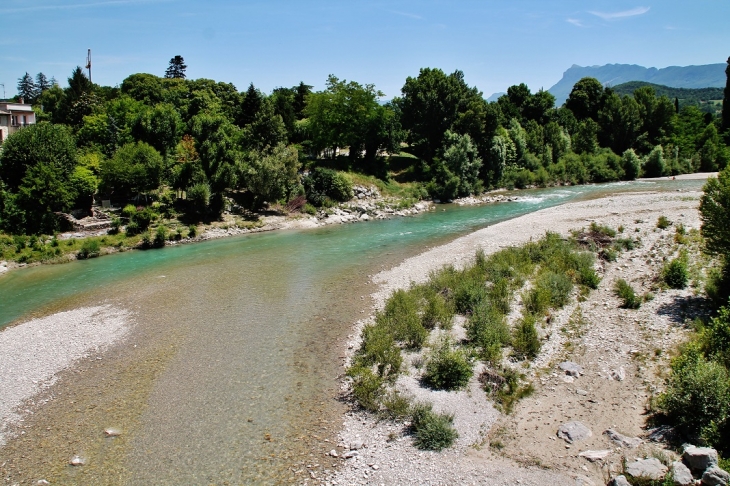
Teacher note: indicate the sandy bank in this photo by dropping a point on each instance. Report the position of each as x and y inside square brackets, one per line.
[34, 352]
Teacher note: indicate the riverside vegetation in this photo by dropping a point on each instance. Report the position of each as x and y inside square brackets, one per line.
[185, 152]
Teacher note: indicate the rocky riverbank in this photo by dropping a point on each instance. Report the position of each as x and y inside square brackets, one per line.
[623, 355]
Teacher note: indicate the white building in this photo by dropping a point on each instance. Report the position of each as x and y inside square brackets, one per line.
[13, 117]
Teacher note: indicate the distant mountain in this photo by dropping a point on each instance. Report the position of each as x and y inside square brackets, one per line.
[708, 75]
[495, 96]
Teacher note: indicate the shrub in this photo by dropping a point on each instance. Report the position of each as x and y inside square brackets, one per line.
[146, 240]
[602, 230]
[395, 405]
[697, 395]
[432, 431]
[488, 329]
[470, 290]
[626, 293]
[89, 249]
[716, 337]
[663, 222]
[323, 184]
[129, 210]
[367, 387]
[132, 229]
[525, 341]
[192, 231]
[379, 349]
[160, 237]
[436, 311]
[447, 368]
[675, 273]
[401, 317]
[115, 225]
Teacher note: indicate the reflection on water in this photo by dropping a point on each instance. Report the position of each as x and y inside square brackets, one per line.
[259, 319]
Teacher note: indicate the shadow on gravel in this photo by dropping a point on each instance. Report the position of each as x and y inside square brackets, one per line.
[686, 308]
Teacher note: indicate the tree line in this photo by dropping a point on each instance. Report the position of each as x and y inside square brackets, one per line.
[168, 137]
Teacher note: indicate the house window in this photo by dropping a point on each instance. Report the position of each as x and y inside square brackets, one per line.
[25, 120]
[13, 121]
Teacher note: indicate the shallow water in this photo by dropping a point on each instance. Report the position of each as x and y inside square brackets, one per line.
[259, 320]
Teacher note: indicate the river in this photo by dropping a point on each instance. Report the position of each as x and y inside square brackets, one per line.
[230, 374]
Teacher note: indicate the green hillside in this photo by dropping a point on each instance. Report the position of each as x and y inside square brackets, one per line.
[707, 99]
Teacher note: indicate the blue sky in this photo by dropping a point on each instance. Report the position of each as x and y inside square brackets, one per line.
[281, 42]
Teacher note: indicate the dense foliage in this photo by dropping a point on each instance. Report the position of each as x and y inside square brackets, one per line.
[199, 147]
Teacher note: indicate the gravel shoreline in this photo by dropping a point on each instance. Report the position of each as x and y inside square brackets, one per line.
[387, 456]
[34, 352]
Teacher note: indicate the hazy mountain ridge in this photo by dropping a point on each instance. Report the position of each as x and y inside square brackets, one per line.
[703, 76]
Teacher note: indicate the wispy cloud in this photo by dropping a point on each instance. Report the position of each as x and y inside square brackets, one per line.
[575, 22]
[406, 14]
[620, 15]
[73, 6]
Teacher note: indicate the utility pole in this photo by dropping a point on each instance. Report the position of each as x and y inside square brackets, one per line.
[88, 62]
[3, 85]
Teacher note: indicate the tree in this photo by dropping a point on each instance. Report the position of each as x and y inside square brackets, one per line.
[431, 105]
[462, 162]
[36, 165]
[715, 215]
[654, 163]
[27, 89]
[42, 83]
[135, 167]
[586, 99]
[267, 130]
[160, 127]
[347, 114]
[250, 106]
[631, 164]
[79, 99]
[270, 175]
[176, 68]
[42, 143]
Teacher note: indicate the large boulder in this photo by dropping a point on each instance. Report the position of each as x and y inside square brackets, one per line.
[699, 459]
[715, 476]
[573, 432]
[651, 468]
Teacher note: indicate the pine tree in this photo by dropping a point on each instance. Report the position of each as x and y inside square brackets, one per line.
[250, 105]
[42, 82]
[27, 88]
[176, 69]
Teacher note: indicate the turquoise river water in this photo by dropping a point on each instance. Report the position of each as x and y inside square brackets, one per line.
[252, 383]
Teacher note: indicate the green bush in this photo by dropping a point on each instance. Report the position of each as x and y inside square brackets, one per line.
[89, 249]
[675, 273]
[132, 229]
[663, 222]
[395, 405]
[697, 395]
[626, 293]
[192, 231]
[487, 328]
[114, 226]
[160, 237]
[379, 349]
[716, 337]
[432, 431]
[401, 317]
[469, 292]
[447, 368]
[525, 340]
[436, 311]
[323, 184]
[367, 387]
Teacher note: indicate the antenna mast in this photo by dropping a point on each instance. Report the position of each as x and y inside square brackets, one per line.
[88, 62]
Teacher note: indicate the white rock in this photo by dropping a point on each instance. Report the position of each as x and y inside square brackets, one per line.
[594, 456]
[77, 461]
